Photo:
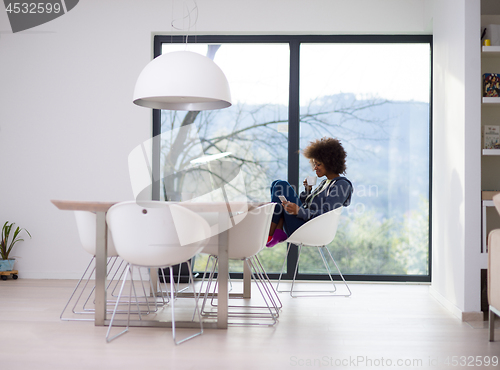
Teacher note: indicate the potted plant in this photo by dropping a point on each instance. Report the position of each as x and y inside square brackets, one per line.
[6, 245]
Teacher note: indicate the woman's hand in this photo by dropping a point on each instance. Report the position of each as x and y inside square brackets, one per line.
[291, 207]
[307, 187]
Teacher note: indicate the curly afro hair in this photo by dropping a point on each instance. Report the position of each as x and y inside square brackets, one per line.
[328, 151]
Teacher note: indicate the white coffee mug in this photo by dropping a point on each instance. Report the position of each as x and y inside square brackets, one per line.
[311, 180]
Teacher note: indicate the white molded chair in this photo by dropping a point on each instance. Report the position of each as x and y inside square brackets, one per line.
[318, 232]
[245, 240]
[156, 235]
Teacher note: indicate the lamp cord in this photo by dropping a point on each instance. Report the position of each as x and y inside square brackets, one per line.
[191, 16]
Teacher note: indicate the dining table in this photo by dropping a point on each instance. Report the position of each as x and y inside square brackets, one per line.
[225, 212]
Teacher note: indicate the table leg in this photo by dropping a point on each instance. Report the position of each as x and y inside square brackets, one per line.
[491, 324]
[100, 268]
[222, 275]
[153, 276]
[247, 281]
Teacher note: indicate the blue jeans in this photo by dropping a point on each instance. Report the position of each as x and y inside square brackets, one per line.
[291, 222]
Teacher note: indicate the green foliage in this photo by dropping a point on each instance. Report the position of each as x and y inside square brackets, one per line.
[413, 248]
[365, 244]
[6, 245]
[272, 258]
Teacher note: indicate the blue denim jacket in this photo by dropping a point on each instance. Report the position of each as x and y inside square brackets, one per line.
[337, 194]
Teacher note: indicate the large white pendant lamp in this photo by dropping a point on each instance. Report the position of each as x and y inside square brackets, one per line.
[182, 80]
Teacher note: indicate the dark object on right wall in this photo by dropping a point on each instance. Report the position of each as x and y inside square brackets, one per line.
[491, 85]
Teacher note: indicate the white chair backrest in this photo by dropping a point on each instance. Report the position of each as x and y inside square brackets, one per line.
[86, 225]
[319, 231]
[249, 236]
[156, 234]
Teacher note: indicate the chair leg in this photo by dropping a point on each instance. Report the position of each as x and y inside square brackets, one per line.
[166, 287]
[270, 288]
[295, 272]
[271, 300]
[209, 283]
[191, 279]
[327, 268]
[283, 269]
[112, 261]
[340, 274]
[73, 293]
[491, 324]
[332, 293]
[87, 306]
[178, 290]
[172, 300]
[108, 339]
[147, 311]
[146, 295]
[117, 284]
[260, 282]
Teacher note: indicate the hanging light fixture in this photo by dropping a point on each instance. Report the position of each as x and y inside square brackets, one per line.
[182, 80]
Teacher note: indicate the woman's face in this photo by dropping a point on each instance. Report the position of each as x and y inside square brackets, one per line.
[319, 168]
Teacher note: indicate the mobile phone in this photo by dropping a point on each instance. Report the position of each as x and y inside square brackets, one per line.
[282, 198]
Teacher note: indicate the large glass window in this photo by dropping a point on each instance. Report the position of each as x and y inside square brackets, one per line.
[371, 93]
[253, 131]
[375, 98]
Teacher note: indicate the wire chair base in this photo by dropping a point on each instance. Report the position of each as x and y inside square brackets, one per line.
[171, 299]
[269, 311]
[314, 293]
[87, 306]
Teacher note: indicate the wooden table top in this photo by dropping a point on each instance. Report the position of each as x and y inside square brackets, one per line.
[80, 205]
[94, 206]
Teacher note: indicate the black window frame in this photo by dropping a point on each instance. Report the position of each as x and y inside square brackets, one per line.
[294, 42]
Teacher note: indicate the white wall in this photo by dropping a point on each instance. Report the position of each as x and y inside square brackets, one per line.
[456, 191]
[67, 122]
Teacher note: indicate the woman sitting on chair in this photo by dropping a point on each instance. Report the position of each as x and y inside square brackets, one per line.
[327, 157]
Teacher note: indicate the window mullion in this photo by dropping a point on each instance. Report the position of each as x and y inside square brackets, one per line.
[293, 137]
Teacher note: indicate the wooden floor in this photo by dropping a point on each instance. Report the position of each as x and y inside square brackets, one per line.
[379, 326]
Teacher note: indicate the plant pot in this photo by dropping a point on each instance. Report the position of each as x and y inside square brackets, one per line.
[7, 265]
